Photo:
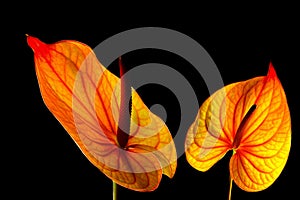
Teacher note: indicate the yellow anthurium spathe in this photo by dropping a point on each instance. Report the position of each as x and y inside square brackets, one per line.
[89, 110]
[252, 119]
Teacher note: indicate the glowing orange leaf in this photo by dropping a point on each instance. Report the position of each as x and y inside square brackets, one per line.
[251, 118]
[86, 99]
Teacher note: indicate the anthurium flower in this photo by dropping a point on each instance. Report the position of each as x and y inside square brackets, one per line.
[88, 101]
[252, 119]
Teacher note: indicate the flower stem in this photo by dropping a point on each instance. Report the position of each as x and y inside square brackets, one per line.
[114, 191]
[230, 188]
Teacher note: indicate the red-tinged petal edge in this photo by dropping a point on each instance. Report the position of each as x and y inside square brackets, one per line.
[255, 124]
[82, 111]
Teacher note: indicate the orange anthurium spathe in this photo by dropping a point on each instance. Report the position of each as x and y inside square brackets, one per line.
[251, 118]
[88, 101]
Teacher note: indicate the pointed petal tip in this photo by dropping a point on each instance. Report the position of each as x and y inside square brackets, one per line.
[31, 41]
[271, 72]
[35, 44]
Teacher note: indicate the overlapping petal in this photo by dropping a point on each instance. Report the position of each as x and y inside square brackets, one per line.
[85, 98]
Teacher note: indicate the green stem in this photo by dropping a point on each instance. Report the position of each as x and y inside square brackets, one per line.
[230, 179]
[230, 188]
[114, 191]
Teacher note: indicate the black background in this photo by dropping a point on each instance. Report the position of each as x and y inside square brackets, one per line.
[43, 161]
